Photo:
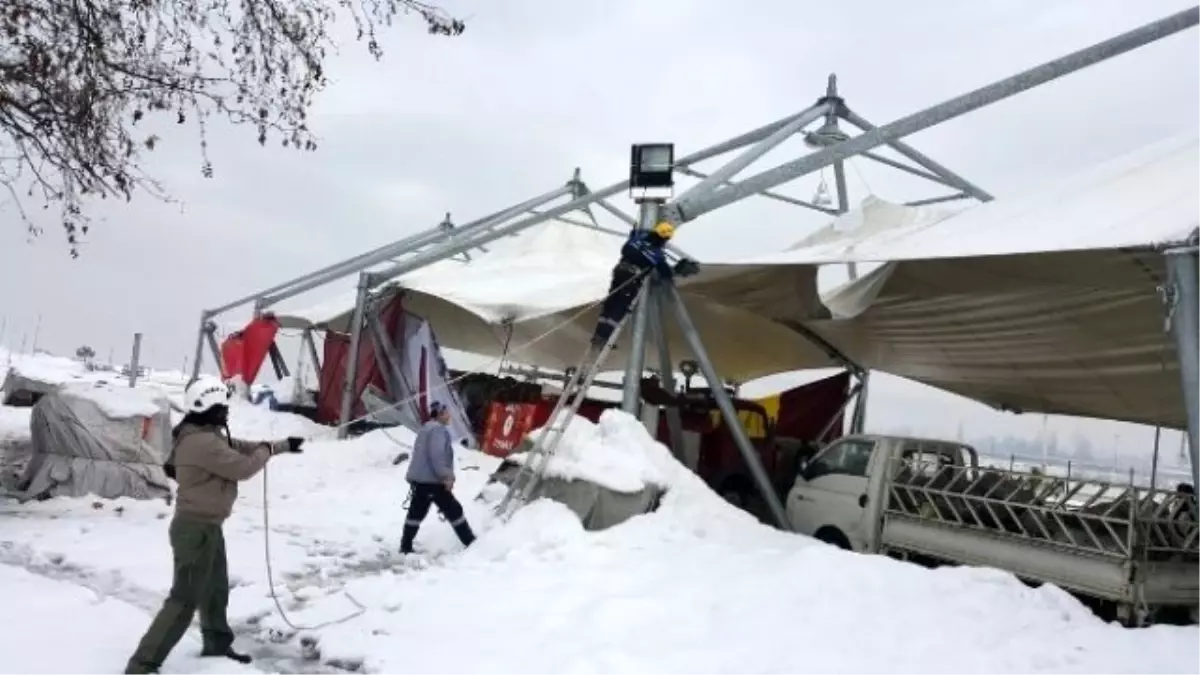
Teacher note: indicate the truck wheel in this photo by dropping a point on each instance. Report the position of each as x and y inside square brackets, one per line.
[833, 537]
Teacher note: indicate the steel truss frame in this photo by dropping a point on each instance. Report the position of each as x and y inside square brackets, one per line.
[718, 188]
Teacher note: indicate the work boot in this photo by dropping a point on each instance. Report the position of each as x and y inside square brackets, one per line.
[221, 644]
[138, 668]
[406, 539]
[465, 535]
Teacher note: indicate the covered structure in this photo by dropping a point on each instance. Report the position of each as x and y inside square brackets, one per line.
[1049, 301]
[782, 292]
[98, 439]
[400, 371]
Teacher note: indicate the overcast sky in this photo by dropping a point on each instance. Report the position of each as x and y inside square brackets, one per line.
[534, 88]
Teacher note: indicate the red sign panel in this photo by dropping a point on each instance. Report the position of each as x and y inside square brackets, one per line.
[507, 424]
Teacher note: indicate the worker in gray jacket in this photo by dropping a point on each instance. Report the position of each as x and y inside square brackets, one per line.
[431, 477]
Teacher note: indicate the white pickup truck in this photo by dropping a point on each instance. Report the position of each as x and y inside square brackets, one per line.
[1129, 551]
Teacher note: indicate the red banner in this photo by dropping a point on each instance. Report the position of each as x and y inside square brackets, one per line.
[507, 424]
[243, 352]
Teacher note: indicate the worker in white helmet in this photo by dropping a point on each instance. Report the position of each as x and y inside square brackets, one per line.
[207, 463]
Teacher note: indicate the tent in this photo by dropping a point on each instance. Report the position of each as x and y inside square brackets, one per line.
[395, 380]
[535, 300]
[1047, 301]
[98, 439]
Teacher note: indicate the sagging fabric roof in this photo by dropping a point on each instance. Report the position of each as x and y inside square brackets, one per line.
[1045, 301]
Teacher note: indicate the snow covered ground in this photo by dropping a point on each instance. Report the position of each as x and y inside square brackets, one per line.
[695, 587]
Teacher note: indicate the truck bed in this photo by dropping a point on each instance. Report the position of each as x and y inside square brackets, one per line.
[1122, 543]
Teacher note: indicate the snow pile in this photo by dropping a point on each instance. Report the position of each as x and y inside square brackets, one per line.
[617, 453]
[696, 586]
[119, 401]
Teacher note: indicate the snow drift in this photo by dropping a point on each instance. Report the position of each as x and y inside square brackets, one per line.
[695, 586]
[605, 473]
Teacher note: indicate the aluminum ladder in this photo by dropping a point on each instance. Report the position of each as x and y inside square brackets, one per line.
[573, 395]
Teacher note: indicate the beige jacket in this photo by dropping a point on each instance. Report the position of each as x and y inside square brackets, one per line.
[208, 468]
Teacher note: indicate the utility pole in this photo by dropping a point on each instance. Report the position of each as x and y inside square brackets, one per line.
[135, 359]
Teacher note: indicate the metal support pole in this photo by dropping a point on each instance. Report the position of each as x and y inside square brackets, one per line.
[631, 398]
[1154, 459]
[312, 351]
[671, 297]
[767, 194]
[658, 326]
[922, 159]
[1183, 274]
[450, 248]
[348, 382]
[395, 368]
[939, 200]
[859, 421]
[919, 173]
[135, 359]
[850, 397]
[198, 359]
[681, 212]
[277, 362]
[210, 336]
[731, 169]
[736, 142]
[439, 235]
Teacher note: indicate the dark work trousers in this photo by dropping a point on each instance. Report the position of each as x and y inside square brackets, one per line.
[622, 293]
[200, 584]
[425, 495]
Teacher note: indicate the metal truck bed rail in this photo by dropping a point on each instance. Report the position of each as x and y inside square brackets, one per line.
[1092, 517]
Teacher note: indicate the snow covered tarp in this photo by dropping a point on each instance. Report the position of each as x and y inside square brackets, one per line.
[32, 376]
[603, 472]
[98, 439]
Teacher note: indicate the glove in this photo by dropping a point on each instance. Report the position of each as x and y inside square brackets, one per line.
[294, 443]
[169, 469]
[687, 268]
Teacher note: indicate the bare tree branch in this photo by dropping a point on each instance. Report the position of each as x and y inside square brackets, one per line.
[78, 76]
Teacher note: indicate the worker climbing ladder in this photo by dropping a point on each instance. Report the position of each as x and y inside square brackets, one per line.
[573, 395]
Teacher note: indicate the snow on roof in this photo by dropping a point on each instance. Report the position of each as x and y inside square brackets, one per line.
[48, 368]
[119, 400]
[543, 270]
[1144, 198]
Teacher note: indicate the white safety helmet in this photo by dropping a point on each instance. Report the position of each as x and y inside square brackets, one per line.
[205, 393]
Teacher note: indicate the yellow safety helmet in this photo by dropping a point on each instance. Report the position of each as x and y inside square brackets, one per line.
[664, 229]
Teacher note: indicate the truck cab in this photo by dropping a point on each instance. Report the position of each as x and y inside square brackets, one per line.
[837, 494]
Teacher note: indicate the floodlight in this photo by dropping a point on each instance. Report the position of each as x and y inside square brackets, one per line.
[652, 165]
